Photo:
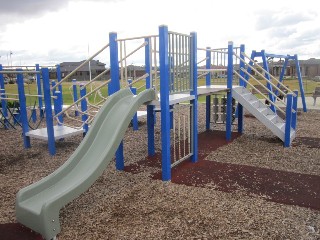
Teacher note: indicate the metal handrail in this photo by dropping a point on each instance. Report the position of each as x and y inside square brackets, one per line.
[259, 91]
[261, 84]
[256, 71]
[261, 68]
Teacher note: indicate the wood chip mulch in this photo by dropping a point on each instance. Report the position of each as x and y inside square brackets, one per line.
[250, 188]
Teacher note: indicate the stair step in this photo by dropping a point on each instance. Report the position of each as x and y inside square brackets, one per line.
[246, 95]
[262, 110]
[281, 126]
[272, 117]
[254, 102]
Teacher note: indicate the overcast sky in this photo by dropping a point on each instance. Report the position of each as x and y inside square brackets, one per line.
[52, 31]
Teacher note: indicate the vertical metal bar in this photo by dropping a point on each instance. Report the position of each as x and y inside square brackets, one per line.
[239, 111]
[164, 101]
[121, 64]
[283, 71]
[59, 106]
[287, 133]
[208, 83]
[53, 84]
[267, 76]
[75, 94]
[179, 132]
[169, 61]
[23, 109]
[184, 134]
[84, 108]
[48, 110]
[174, 135]
[180, 62]
[178, 87]
[229, 93]
[184, 59]
[114, 86]
[150, 108]
[147, 62]
[125, 65]
[3, 101]
[189, 130]
[304, 105]
[295, 108]
[155, 64]
[150, 124]
[39, 90]
[188, 80]
[58, 69]
[194, 103]
[57, 103]
[135, 123]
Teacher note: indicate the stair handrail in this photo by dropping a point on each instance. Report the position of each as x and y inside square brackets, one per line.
[259, 91]
[268, 90]
[266, 72]
[261, 75]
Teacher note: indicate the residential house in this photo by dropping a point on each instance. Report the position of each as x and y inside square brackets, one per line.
[83, 74]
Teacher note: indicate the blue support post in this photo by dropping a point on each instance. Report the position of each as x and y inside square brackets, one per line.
[171, 116]
[283, 71]
[23, 110]
[250, 67]
[295, 108]
[150, 108]
[164, 102]
[39, 91]
[304, 105]
[147, 62]
[287, 133]
[229, 93]
[135, 124]
[194, 102]
[57, 103]
[242, 84]
[59, 78]
[84, 108]
[48, 110]
[75, 94]
[3, 101]
[114, 86]
[150, 125]
[208, 83]
[267, 76]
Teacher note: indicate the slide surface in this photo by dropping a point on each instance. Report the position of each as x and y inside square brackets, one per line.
[38, 205]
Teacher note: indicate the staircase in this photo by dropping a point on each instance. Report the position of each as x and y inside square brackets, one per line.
[262, 112]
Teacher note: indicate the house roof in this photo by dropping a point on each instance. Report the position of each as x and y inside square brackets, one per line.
[94, 65]
[311, 61]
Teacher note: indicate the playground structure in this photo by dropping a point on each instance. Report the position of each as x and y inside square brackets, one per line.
[175, 96]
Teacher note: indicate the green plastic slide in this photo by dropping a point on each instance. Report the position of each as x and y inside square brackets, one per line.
[38, 205]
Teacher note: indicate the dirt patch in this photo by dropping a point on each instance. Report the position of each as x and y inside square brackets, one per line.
[309, 142]
[16, 231]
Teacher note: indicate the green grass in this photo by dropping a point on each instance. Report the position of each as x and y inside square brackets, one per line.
[293, 84]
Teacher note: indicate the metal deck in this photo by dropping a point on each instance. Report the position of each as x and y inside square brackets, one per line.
[59, 132]
[211, 89]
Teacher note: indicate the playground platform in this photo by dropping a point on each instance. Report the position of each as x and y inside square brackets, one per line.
[207, 90]
[59, 132]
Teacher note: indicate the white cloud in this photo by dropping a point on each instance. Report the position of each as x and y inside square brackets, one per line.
[61, 31]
